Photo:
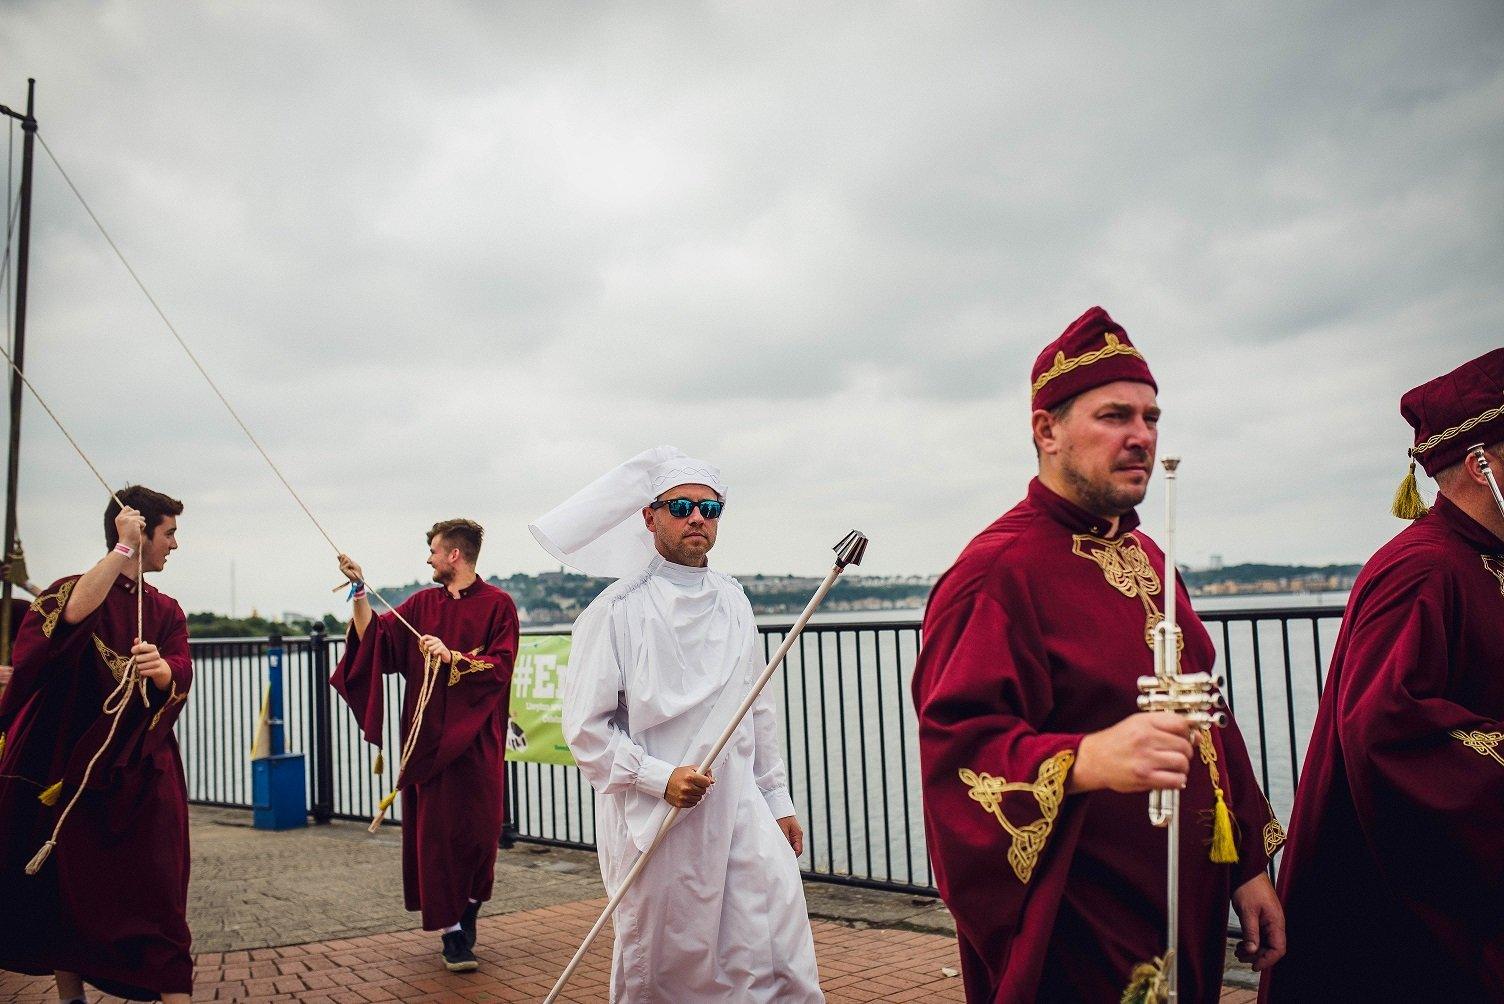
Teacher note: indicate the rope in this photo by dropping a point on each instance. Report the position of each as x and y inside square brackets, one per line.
[208, 379]
[431, 665]
[114, 706]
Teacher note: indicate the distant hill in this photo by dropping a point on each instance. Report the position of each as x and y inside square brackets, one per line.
[558, 597]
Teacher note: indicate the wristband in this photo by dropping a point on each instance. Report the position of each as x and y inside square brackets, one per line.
[357, 591]
[125, 549]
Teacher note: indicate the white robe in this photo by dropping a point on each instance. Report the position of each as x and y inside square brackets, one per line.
[660, 662]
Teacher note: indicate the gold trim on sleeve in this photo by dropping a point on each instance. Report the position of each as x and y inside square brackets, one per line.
[173, 697]
[1061, 366]
[475, 665]
[50, 617]
[1048, 790]
[112, 660]
[1482, 743]
[1274, 833]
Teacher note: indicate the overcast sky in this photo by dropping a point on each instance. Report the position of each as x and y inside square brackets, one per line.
[455, 259]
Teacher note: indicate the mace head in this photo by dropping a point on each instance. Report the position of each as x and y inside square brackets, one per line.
[851, 549]
[1170, 463]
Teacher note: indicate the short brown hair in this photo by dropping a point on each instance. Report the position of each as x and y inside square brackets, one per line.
[464, 535]
[153, 505]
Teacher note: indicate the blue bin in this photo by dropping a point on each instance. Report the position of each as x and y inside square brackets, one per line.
[279, 792]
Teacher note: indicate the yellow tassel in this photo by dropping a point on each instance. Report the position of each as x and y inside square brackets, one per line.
[50, 794]
[2, 743]
[1224, 847]
[1407, 501]
[1147, 984]
[386, 803]
[379, 767]
[35, 864]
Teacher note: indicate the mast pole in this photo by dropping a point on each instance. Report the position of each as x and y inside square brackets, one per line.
[18, 353]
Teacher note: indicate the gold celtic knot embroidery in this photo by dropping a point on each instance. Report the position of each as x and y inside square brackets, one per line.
[1126, 566]
[1493, 566]
[1274, 833]
[1048, 790]
[1483, 743]
[112, 660]
[472, 665]
[1061, 366]
[58, 600]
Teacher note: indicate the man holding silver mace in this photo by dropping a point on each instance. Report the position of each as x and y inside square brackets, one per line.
[1394, 874]
[660, 663]
[1034, 756]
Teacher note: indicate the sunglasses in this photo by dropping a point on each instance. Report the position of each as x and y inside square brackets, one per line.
[681, 508]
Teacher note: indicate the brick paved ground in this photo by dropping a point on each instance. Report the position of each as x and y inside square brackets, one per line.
[316, 915]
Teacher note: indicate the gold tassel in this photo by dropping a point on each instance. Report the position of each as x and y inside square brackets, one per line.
[386, 803]
[50, 794]
[1407, 501]
[2, 743]
[1224, 847]
[379, 767]
[35, 864]
[1147, 983]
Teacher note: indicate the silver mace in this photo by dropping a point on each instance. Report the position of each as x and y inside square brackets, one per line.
[849, 551]
[1480, 455]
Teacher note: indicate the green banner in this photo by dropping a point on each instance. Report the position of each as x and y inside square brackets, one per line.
[535, 732]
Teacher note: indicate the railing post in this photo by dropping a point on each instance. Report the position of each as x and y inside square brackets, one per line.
[323, 727]
[508, 817]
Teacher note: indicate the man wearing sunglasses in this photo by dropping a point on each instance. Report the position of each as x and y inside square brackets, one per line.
[1035, 761]
[661, 660]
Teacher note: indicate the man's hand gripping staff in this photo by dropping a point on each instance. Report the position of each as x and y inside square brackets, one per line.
[849, 551]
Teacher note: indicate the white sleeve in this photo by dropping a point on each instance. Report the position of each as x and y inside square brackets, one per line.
[767, 758]
[595, 714]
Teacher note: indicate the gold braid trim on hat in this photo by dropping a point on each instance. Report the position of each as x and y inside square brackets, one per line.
[1456, 430]
[1062, 365]
[1048, 790]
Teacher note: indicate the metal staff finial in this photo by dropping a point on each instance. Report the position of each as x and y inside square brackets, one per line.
[851, 549]
[1486, 466]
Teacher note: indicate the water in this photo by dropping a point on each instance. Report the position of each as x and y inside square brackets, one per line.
[847, 726]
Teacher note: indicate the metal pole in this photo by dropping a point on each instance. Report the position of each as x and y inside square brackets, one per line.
[274, 701]
[18, 354]
[323, 728]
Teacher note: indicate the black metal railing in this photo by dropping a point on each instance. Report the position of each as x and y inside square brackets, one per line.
[848, 728]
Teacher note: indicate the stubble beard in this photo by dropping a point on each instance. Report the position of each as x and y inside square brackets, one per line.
[1100, 497]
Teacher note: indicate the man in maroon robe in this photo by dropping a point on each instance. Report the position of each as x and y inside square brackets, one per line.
[1394, 875]
[452, 779]
[108, 906]
[1035, 762]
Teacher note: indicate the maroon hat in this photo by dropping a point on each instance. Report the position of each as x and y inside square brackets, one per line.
[1451, 414]
[1093, 351]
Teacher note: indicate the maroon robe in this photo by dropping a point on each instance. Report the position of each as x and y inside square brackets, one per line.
[1393, 880]
[111, 901]
[1036, 636]
[453, 786]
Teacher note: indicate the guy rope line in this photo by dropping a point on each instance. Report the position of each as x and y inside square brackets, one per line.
[119, 699]
[430, 662]
[207, 378]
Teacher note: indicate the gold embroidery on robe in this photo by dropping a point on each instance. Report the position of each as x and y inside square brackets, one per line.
[1048, 790]
[1274, 833]
[473, 665]
[112, 660]
[173, 697]
[1483, 743]
[60, 599]
[1126, 566]
[1493, 566]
